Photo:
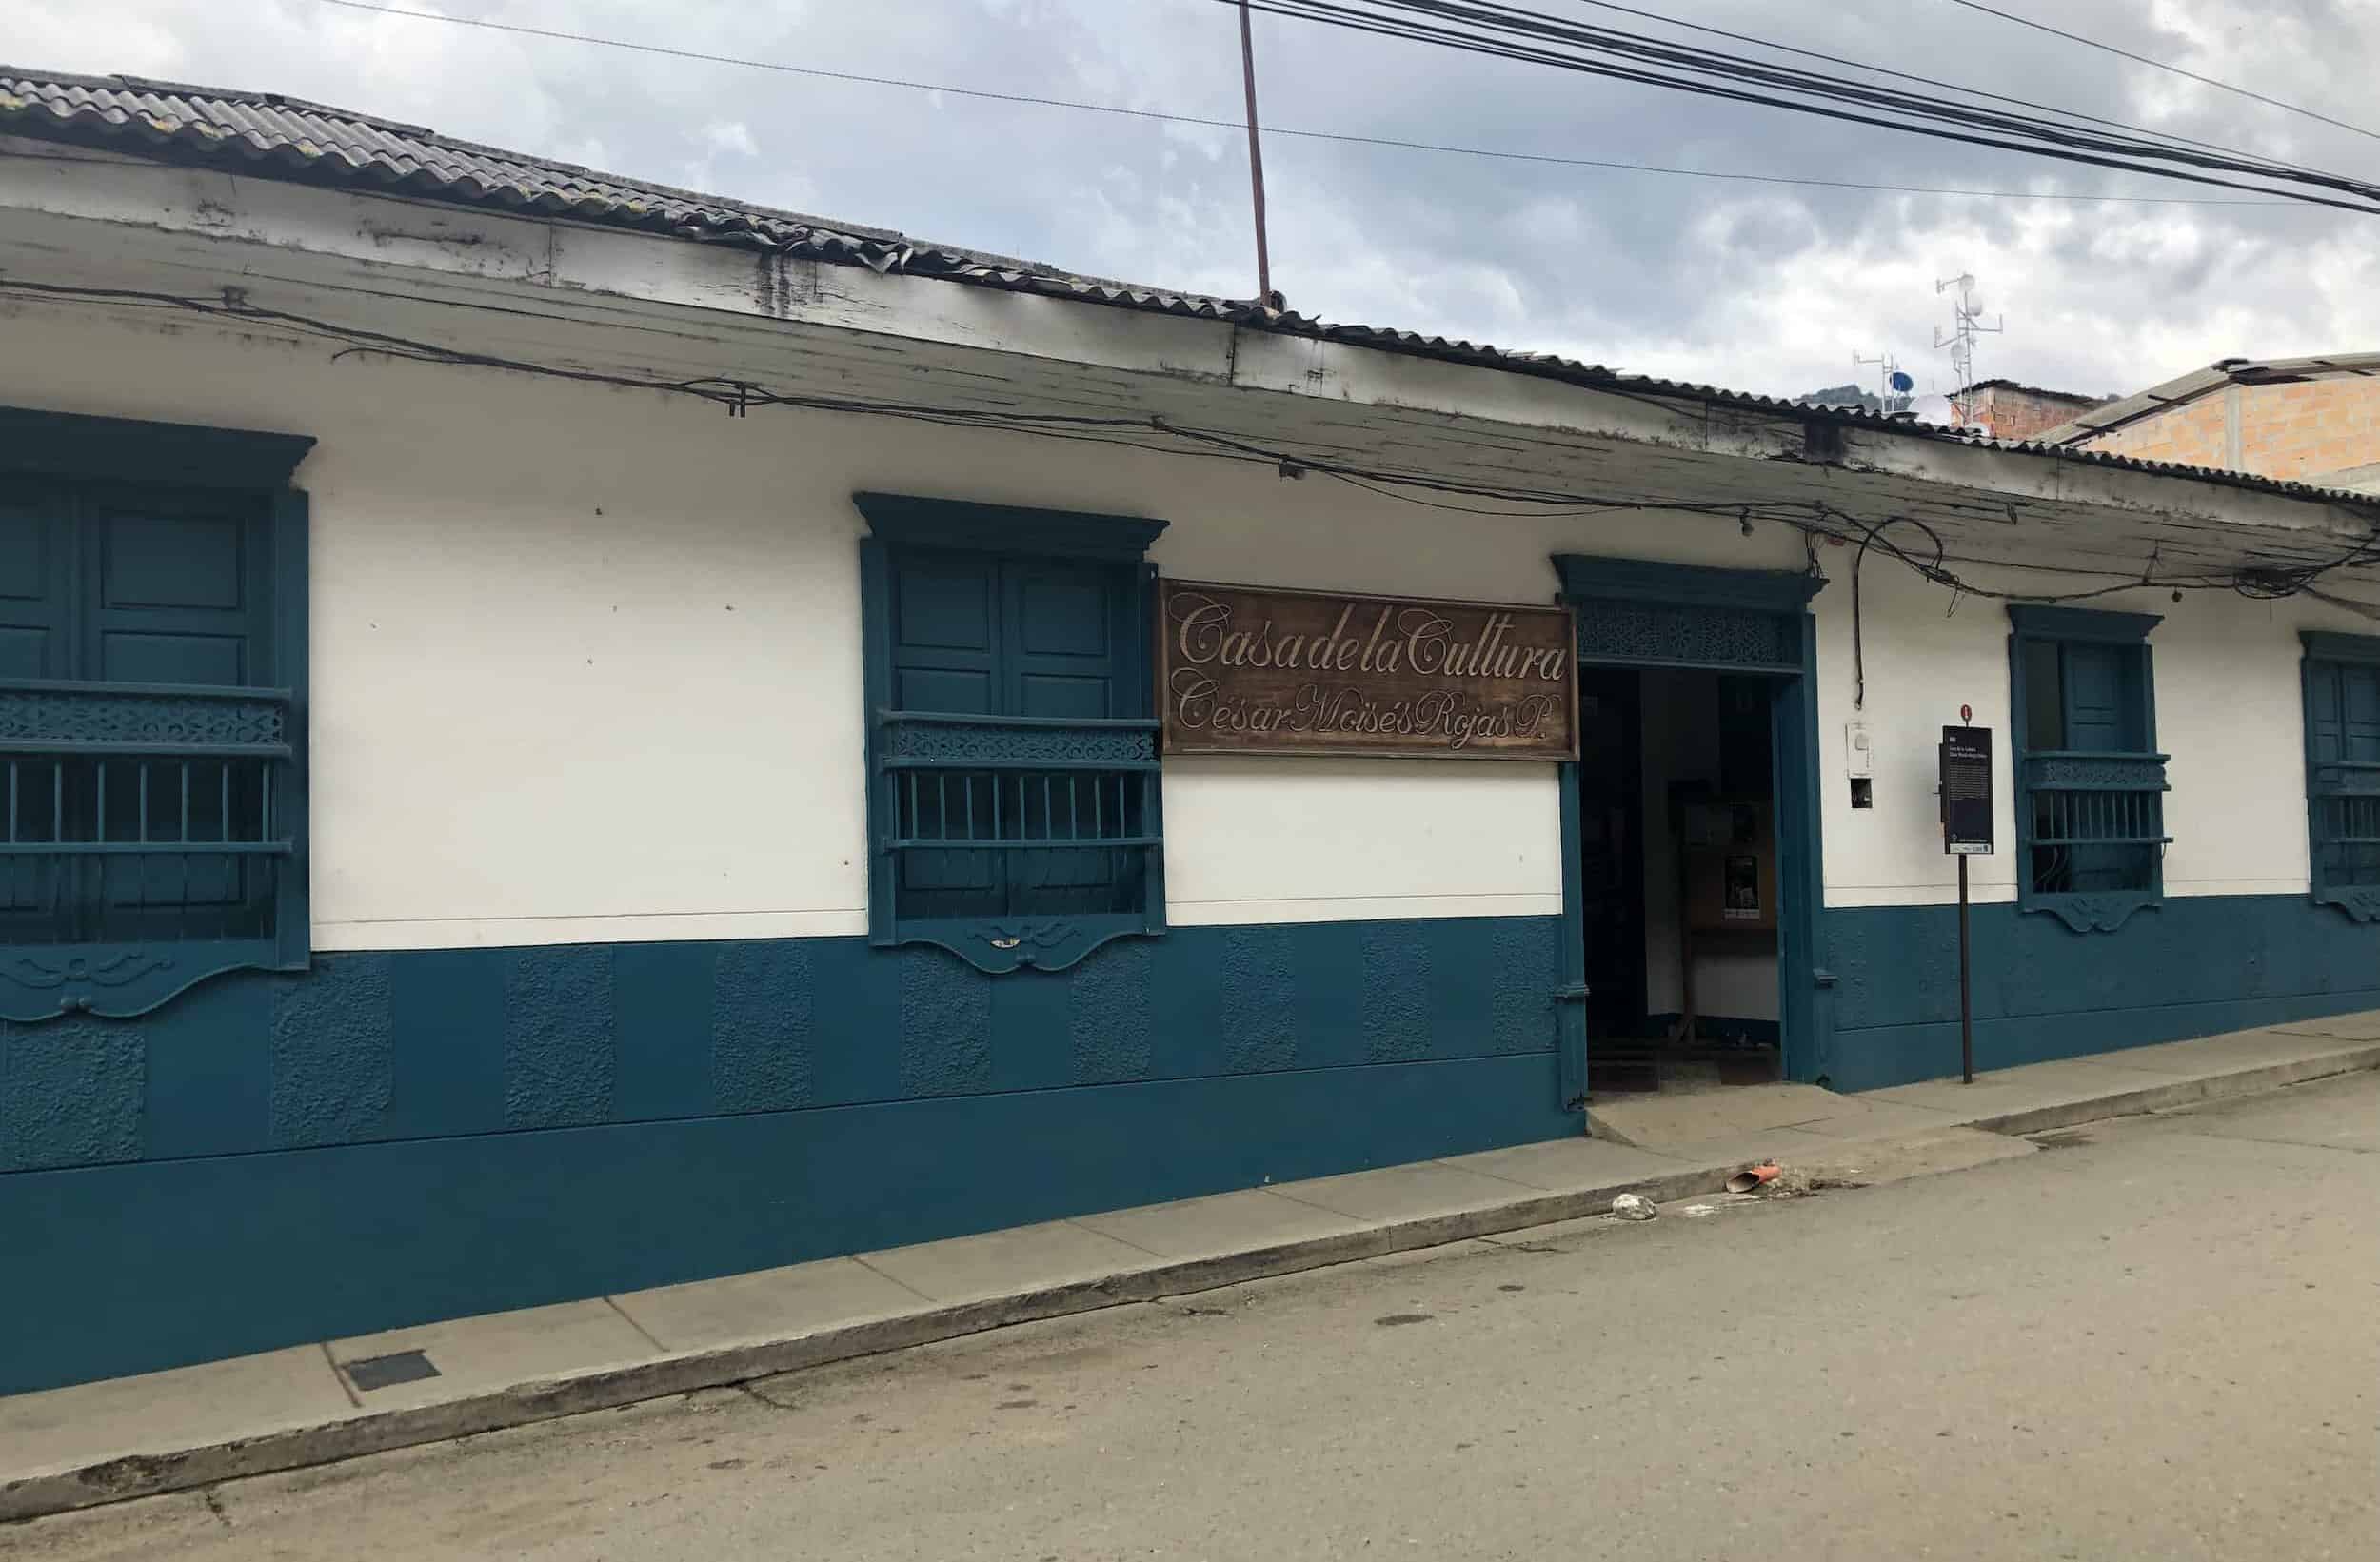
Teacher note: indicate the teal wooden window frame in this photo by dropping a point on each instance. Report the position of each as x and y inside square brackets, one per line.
[1093, 782]
[148, 739]
[2076, 801]
[2342, 775]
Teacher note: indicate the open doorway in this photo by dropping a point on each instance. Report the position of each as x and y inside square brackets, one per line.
[1679, 882]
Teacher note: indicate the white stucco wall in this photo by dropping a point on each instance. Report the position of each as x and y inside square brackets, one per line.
[2228, 711]
[586, 661]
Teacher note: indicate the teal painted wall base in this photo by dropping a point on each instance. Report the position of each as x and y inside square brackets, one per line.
[398, 1137]
[2197, 965]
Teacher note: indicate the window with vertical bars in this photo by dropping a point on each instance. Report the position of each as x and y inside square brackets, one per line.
[138, 813]
[2342, 678]
[2091, 785]
[152, 812]
[1014, 773]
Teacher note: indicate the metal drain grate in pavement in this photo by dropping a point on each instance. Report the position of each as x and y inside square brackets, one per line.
[386, 1372]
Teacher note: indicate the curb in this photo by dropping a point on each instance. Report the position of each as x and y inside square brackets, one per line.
[133, 1475]
[2132, 1103]
[95, 1483]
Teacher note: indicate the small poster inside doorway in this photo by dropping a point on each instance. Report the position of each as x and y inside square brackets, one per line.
[1743, 890]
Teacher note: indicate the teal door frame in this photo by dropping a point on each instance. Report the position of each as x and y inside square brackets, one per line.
[1639, 614]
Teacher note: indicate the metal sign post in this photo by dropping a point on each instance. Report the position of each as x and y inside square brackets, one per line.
[1965, 761]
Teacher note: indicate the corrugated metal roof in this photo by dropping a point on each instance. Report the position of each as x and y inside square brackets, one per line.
[2198, 381]
[273, 135]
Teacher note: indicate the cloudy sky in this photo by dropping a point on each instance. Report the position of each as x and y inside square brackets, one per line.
[1769, 288]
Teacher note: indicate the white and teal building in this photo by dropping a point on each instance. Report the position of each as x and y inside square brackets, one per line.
[464, 622]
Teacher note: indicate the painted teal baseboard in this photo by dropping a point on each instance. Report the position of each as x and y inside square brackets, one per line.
[152, 1265]
[397, 1137]
[2195, 965]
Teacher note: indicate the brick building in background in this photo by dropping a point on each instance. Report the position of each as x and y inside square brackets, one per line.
[2306, 420]
[2011, 411]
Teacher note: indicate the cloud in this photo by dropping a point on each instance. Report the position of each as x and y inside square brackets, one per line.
[1763, 287]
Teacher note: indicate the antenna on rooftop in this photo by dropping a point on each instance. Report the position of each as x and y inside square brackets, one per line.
[1966, 325]
[1892, 386]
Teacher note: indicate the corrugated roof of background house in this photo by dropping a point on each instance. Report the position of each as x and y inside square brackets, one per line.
[274, 135]
[2198, 381]
[2042, 391]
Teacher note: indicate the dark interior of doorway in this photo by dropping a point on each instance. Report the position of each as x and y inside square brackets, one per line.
[1677, 861]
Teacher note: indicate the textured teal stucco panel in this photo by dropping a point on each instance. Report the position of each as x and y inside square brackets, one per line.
[439, 1043]
[761, 1024]
[1256, 981]
[558, 1031]
[1396, 992]
[945, 1035]
[2193, 966]
[1108, 1021]
[1523, 965]
[70, 1095]
[334, 1053]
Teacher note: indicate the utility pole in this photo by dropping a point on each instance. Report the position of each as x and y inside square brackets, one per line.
[1255, 161]
[1966, 325]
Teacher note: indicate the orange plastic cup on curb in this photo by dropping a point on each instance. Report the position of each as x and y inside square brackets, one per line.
[1753, 1176]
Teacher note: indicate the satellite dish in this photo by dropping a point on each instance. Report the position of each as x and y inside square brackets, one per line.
[1975, 303]
[1901, 382]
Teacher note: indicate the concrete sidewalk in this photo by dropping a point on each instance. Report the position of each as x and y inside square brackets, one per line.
[102, 1442]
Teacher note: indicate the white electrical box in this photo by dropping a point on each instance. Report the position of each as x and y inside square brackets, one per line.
[1858, 758]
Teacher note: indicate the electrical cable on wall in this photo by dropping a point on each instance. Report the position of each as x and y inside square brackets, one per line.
[1813, 518]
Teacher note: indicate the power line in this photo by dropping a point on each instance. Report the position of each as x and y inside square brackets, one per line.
[1343, 138]
[1537, 37]
[1814, 518]
[1888, 70]
[1540, 39]
[2143, 59]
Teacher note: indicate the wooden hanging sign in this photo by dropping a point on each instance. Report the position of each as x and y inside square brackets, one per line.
[1248, 669]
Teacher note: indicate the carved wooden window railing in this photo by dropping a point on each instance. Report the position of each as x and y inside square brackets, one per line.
[152, 698]
[2090, 784]
[1013, 776]
[150, 839]
[2342, 680]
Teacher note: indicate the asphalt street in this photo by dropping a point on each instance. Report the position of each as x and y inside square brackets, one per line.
[2153, 1337]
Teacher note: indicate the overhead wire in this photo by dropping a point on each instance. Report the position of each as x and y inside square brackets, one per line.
[1292, 131]
[1812, 518]
[1531, 37]
[2161, 64]
[1889, 70]
[1530, 32]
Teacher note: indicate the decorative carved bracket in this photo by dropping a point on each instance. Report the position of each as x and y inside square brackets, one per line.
[110, 981]
[2361, 902]
[998, 947]
[2088, 912]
